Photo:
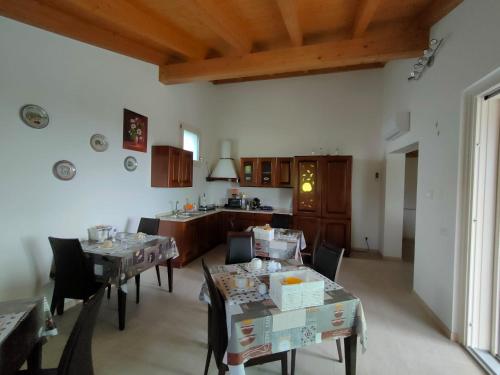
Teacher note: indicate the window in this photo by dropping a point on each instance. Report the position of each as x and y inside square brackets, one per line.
[191, 142]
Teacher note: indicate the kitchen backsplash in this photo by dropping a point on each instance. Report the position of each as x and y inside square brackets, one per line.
[277, 197]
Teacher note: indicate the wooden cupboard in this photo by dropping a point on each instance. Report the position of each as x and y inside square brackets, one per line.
[322, 198]
[248, 171]
[266, 172]
[171, 167]
[284, 171]
[198, 236]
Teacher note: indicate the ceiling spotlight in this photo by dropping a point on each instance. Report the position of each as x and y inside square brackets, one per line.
[426, 60]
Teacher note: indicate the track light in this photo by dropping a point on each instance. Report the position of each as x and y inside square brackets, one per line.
[425, 61]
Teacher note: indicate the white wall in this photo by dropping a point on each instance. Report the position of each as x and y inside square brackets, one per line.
[470, 51]
[298, 116]
[84, 89]
[410, 197]
[394, 205]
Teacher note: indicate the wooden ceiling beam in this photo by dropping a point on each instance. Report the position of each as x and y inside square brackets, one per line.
[225, 23]
[290, 13]
[36, 14]
[364, 15]
[302, 73]
[126, 17]
[435, 11]
[389, 43]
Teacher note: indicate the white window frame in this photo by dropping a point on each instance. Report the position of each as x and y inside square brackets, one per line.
[183, 126]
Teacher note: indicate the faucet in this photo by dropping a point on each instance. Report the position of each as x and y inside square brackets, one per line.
[176, 208]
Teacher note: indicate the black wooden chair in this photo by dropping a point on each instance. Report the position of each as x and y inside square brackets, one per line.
[308, 253]
[326, 260]
[76, 358]
[217, 333]
[240, 247]
[74, 273]
[281, 221]
[148, 226]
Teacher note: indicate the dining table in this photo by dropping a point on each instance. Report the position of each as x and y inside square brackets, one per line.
[130, 255]
[257, 327]
[24, 326]
[286, 244]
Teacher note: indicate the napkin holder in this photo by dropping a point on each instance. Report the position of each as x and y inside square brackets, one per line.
[311, 292]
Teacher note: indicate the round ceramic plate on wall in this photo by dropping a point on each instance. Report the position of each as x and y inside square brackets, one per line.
[34, 116]
[99, 143]
[130, 163]
[64, 170]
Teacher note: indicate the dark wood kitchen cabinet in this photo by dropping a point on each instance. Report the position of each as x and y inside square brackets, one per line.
[248, 171]
[307, 192]
[322, 198]
[336, 176]
[284, 172]
[266, 172]
[171, 167]
[197, 236]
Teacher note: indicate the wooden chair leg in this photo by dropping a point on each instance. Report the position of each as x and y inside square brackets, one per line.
[339, 350]
[207, 362]
[109, 291]
[60, 306]
[222, 371]
[54, 304]
[158, 275]
[284, 364]
[137, 287]
[292, 365]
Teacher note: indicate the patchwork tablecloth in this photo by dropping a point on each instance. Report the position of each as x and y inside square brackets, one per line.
[293, 240]
[129, 256]
[256, 327]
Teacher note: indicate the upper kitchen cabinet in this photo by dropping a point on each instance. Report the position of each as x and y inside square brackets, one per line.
[336, 176]
[284, 172]
[266, 171]
[248, 171]
[307, 192]
[171, 167]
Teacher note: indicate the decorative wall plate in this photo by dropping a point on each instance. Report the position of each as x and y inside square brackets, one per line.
[99, 143]
[34, 116]
[130, 163]
[64, 170]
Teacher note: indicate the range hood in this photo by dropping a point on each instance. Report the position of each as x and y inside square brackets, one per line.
[224, 170]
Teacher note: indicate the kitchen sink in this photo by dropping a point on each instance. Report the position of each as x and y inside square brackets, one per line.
[186, 215]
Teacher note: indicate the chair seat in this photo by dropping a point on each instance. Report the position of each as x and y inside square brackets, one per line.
[48, 371]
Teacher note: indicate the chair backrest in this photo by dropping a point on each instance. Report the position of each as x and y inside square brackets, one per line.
[281, 221]
[217, 334]
[240, 247]
[316, 243]
[77, 355]
[149, 226]
[327, 260]
[74, 272]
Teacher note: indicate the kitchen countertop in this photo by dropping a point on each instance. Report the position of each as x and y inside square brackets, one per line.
[167, 215]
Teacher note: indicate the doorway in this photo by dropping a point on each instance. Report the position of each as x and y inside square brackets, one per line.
[410, 206]
[483, 289]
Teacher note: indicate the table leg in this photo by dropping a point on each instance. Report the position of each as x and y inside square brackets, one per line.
[237, 370]
[122, 306]
[350, 347]
[35, 359]
[170, 272]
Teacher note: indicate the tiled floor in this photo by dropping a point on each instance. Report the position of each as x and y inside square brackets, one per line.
[166, 333]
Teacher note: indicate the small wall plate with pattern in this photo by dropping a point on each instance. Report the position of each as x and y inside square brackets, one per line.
[64, 170]
[34, 116]
[130, 163]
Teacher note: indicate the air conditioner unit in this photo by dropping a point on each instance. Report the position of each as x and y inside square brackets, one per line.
[398, 127]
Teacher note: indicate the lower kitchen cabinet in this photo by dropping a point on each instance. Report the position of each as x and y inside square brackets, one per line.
[198, 236]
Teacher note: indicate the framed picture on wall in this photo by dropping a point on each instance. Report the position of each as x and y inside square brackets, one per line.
[135, 131]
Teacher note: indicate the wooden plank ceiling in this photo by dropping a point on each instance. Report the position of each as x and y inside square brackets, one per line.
[237, 40]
